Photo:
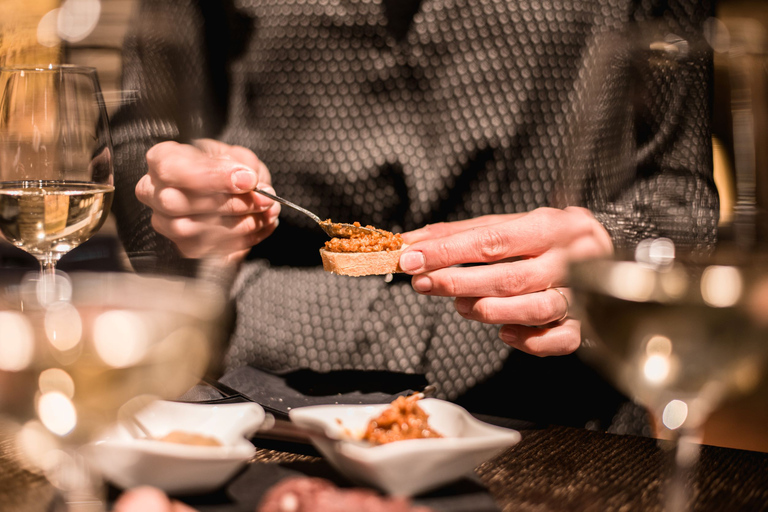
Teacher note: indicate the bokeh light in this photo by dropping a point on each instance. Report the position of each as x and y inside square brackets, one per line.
[17, 342]
[655, 252]
[120, 338]
[674, 415]
[57, 412]
[721, 286]
[631, 282]
[63, 326]
[47, 31]
[56, 379]
[73, 21]
[656, 368]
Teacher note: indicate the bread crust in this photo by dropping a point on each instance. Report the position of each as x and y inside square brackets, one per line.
[362, 263]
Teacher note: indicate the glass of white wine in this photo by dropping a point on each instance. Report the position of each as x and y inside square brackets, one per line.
[105, 345]
[681, 335]
[679, 328]
[56, 171]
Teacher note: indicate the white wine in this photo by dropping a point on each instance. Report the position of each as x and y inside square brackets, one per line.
[693, 333]
[72, 365]
[662, 352]
[49, 218]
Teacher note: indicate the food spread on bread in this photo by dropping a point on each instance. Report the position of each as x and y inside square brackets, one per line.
[375, 253]
[376, 241]
[403, 419]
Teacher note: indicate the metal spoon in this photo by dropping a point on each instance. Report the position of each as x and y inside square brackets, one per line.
[333, 229]
[143, 428]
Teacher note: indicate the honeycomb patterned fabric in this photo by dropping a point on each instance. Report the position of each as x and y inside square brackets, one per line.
[400, 113]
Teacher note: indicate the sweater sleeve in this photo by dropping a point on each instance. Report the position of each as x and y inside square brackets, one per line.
[170, 93]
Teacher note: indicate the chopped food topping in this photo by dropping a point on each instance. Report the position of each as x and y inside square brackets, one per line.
[379, 240]
[404, 419]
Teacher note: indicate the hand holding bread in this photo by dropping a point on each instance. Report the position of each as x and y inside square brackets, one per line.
[509, 270]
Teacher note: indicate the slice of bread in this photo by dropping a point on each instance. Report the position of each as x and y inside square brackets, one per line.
[361, 263]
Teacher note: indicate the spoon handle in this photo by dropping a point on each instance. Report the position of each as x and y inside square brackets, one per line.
[288, 203]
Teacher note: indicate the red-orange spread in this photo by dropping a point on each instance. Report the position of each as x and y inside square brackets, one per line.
[180, 437]
[379, 240]
[404, 419]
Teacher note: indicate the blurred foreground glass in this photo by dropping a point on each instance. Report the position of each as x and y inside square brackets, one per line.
[56, 174]
[680, 329]
[680, 336]
[104, 345]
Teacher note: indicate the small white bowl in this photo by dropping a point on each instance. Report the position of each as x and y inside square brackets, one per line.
[409, 467]
[129, 461]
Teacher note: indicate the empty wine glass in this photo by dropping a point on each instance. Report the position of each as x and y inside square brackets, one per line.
[108, 344]
[56, 175]
[680, 328]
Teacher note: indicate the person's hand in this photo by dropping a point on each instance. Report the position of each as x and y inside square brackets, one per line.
[202, 198]
[148, 499]
[524, 255]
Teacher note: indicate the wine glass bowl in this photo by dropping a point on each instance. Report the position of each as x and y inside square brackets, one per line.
[681, 335]
[688, 332]
[72, 362]
[56, 169]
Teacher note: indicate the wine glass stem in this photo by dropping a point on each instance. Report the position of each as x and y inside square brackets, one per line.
[79, 483]
[686, 455]
[47, 278]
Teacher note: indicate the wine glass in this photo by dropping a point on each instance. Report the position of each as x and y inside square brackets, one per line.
[103, 346]
[678, 328]
[56, 174]
[678, 334]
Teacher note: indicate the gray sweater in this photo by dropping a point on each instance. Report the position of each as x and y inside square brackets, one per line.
[402, 114]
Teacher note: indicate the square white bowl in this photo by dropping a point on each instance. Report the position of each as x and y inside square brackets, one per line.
[409, 467]
[128, 461]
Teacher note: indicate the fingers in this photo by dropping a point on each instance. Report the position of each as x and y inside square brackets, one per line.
[539, 308]
[196, 236]
[496, 280]
[523, 235]
[201, 198]
[187, 167]
[442, 229]
[497, 238]
[559, 340]
[177, 202]
[148, 499]
[535, 323]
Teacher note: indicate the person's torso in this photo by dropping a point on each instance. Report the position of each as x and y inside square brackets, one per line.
[465, 114]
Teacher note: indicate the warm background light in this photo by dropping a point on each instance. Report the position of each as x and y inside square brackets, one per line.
[17, 342]
[120, 338]
[63, 326]
[19, 38]
[57, 412]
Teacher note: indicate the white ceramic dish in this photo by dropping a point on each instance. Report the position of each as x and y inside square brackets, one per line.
[406, 468]
[128, 461]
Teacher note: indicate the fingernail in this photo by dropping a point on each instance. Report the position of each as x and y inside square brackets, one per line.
[421, 283]
[462, 305]
[245, 179]
[508, 335]
[412, 261]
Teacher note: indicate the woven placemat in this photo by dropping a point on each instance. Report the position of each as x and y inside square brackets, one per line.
[561, 469]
